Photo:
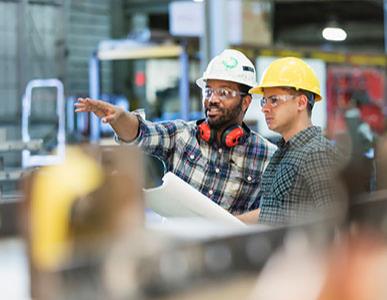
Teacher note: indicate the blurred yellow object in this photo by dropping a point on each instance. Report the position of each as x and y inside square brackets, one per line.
[54, 190]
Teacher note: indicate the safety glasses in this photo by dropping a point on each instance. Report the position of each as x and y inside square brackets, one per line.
[222, 93]
[274, 100]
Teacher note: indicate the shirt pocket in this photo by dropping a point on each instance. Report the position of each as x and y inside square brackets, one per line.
[191, 166]
[244, 187]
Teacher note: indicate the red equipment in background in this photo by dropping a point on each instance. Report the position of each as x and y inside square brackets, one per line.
[349, 87]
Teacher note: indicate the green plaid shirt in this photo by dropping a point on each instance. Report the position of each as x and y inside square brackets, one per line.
[298, 183]
[228, 176]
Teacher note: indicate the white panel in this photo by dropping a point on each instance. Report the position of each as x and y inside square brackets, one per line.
[186, 18]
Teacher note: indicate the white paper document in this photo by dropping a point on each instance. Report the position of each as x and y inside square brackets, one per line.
[176, 198]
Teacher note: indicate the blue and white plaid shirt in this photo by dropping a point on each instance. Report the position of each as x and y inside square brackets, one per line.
[300, 181]
[229, 176]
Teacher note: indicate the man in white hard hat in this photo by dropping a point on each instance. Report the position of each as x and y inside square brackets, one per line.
[299, 183]
[219, 155]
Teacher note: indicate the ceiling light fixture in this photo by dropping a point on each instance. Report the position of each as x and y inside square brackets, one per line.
[334, 33]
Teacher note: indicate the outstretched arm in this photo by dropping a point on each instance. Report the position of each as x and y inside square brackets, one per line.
[124, 123]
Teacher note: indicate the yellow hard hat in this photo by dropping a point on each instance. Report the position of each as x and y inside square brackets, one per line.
[289, 72]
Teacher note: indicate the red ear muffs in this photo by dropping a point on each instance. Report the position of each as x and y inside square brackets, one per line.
[205, 132]
[233, 136]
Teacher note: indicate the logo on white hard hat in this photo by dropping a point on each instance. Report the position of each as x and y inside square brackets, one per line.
[230, 62]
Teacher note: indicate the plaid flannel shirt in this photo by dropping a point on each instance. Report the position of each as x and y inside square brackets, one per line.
[228, 176]
[299, 182]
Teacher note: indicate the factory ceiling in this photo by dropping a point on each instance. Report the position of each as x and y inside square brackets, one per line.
[299, 23]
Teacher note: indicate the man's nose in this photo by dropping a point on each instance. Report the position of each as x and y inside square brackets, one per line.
[214, 98]
[266, 107]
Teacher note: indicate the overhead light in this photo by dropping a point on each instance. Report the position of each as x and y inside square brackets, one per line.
[336, 34]
[198, 0]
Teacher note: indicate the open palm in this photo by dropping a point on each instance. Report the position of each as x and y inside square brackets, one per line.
[103, 110]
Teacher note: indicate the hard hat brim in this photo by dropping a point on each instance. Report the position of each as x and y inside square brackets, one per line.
[201, 82]
[256, 90]
[259, 90]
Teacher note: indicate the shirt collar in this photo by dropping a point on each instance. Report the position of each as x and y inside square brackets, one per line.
[301, 138]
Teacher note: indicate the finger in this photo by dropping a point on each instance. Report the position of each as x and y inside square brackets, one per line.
[88, 104]
[79, 107]
[77, 104]
[108, 118]
[81, 100]
[87, 101]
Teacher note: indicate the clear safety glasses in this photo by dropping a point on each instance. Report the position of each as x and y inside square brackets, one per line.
[222, 93]
[274, 100]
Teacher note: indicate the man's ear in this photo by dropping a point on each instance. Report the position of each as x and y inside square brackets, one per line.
[302, 102]
[246, 101]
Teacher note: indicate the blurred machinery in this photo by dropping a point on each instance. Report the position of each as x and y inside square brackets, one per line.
[91, 242]
[158, 79]
[37, 146]
[14, 174]
[37, 150]
[75, 209]
[87, 240]
[9, 179]
[58, 132]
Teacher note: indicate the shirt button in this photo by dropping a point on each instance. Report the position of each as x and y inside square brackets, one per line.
[210, 192]
[217, 170]
[249, 178]
[192, 156]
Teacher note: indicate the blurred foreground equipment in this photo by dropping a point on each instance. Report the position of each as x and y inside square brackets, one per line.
[74, 209]
[10, 176]
[353, 267]
[87, 240]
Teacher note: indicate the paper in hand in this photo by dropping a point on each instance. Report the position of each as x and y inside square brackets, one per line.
[176, 198]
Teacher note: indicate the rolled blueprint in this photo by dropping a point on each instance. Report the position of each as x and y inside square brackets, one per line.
[176, 198]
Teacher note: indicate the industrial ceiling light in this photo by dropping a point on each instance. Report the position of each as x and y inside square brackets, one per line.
[334, 33]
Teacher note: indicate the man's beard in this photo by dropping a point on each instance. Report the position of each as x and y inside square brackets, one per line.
[229, 117]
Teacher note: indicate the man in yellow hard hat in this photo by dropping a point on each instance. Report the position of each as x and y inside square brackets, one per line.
[298, 183]
[219, 155]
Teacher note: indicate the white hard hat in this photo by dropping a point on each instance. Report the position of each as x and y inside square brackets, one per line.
[230, 65]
